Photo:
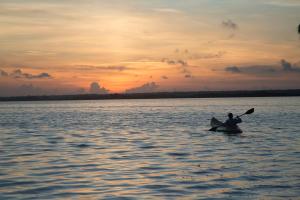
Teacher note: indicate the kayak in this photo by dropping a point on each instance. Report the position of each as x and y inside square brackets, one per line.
[223, 128]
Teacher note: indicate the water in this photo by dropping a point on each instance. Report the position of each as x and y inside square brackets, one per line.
[149, 149]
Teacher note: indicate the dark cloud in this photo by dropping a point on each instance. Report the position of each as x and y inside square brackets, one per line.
[3, 73]
[19, 74]
[96, 89]
[254, 69]
[288, 67]
[229, 25]
[265, 69]
[146, 88]
[191, 55]
[183, 65]
[119, 68]
[164, 77]
[207, 55]
[42, 75]
[174, 62]
[103, 68]
[260, 69]
[182, 62]
[171, 62]
[233, 69]
[34, 90]
[21, 90]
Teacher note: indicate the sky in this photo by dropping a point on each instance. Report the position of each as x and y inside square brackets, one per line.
[115, 46]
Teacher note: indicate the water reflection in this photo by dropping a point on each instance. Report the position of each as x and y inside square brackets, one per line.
[147, 149]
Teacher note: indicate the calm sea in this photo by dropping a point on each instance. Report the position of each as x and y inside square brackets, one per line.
[149, 149]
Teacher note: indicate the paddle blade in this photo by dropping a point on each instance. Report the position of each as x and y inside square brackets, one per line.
[249, 111]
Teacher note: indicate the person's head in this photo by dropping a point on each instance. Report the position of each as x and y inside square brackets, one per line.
[230, 115]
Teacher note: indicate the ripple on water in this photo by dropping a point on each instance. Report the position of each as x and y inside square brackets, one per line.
[178, 154]
[148, 149]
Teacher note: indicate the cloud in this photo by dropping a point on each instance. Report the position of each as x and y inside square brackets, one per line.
[3, 73]
[265, 69]
[168, 10]
[7, 89]
[288, 67]
[182, 62]
[96, 89]
[192, 55]
[164, 77]
[233, 69]
[42, 75]
[146, 88]
[21, 90]
[174, 62]
[19, 74]
[207, 55]
[103, 68]
[183, 65]
[119, 68]
[254, 70]
[229, 25]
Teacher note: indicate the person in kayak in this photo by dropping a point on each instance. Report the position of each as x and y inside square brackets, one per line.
[232, 122]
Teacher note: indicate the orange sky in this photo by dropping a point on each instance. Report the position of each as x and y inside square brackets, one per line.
[61, 47]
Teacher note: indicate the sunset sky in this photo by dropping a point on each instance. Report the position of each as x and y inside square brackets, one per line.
[99, 46]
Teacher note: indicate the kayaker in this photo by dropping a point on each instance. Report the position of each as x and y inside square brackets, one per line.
[232, 122]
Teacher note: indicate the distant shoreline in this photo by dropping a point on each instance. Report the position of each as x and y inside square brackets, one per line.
[159, 95]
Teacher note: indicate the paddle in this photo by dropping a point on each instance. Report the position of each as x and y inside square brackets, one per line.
[248, 112]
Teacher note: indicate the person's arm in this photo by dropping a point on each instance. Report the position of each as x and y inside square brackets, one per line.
[238, 119]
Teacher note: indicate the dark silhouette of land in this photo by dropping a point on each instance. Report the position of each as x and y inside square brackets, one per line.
[159, 95]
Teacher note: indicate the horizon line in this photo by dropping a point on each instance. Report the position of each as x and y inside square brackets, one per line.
[160, 95]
